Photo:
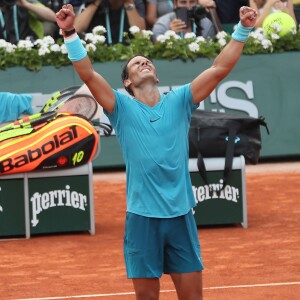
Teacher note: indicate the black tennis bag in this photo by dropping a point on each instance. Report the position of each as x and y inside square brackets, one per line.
[214, 134]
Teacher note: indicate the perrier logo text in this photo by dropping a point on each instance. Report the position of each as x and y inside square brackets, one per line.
[216, 191]
[57, 198]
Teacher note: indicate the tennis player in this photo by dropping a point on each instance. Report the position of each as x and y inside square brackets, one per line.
[152, 128]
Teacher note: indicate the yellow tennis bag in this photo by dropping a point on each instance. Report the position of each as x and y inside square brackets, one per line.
[47, 141]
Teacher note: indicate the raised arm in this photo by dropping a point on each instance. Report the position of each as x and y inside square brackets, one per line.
[98, 86]
[83, 20]
[206, 82]
[290, 9]
[41, 11]
[264, 11]
[133, 13]
[151, 13]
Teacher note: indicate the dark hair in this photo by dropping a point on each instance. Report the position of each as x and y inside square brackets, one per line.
[124, 73]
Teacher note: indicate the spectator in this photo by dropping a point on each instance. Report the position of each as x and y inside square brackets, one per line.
[201, 25]
[265, 7]
[50, 28]
[228, 10]
[22, 19]
[116, 16]
[156, 9]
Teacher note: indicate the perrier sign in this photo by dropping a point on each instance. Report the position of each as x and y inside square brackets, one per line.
[59, 204]
[215, 205]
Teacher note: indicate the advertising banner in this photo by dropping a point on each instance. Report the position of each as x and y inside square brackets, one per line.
[216, 205]
[59, 204]
[12, 207]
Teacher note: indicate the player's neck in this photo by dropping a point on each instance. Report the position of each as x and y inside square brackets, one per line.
[148, 95]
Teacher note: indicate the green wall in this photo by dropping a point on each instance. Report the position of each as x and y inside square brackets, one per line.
[259, 85]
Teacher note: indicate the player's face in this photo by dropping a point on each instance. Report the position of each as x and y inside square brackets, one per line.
[141, 67]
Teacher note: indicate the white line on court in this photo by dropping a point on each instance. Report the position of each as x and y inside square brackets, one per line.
[168, 291]
[251, 285]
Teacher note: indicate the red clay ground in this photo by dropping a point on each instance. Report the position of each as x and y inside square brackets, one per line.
[261, 262]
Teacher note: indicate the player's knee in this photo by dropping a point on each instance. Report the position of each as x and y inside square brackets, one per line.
[146, 288]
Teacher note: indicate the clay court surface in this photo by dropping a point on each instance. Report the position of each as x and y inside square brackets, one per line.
[260, 262]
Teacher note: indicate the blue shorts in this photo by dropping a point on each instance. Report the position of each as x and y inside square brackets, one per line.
[153, 246]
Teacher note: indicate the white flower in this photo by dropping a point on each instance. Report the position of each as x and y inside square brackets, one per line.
[89, 36]
[3, 43]
[147, 33]
[99, 30]
[90, 48]
[266, 44]
[26, 44]
[95, 38]
[190, 35]
[38, 42]
[49, 40]
[63, 49]
[43, 50]
[10, 48]
[221, 35]
[167, 36]
[55, 48]
[194, 47]
[170, 33]
[162, 38]
[276, 26]
[99, 39]
[222, 42]
[42, 43]
[259, 30]
[256, 35]
[200, 39]
[134, 29]
[275, 36]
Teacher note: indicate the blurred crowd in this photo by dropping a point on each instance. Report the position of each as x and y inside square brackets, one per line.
[33, 19]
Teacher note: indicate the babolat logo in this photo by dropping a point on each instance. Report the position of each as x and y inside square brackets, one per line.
[215, 191]
[57, 198]
[32, 155]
